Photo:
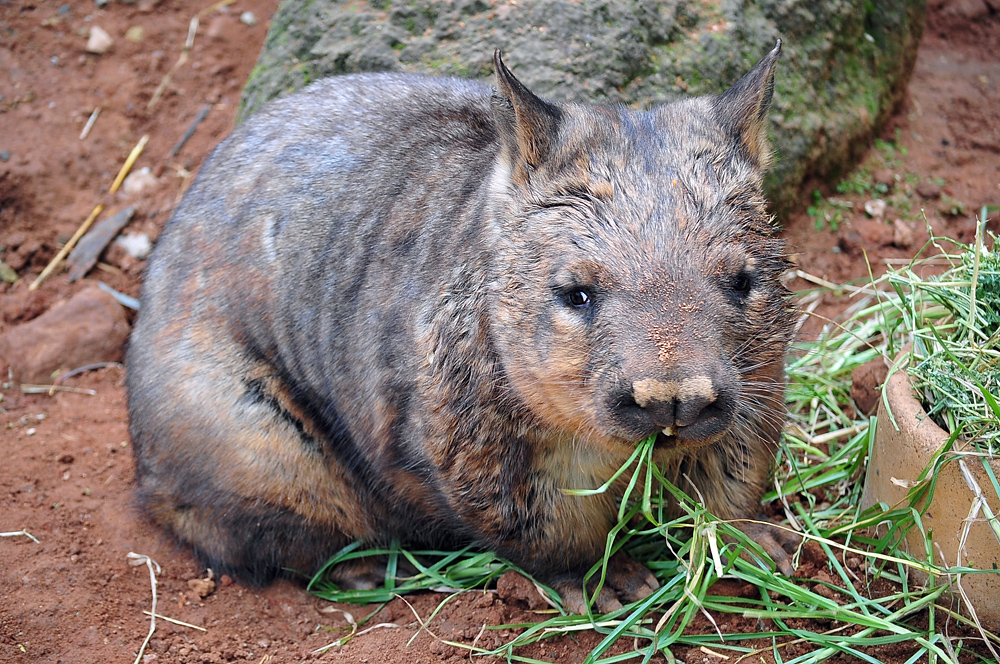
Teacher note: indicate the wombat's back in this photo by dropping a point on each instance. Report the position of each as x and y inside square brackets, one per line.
[310, 216]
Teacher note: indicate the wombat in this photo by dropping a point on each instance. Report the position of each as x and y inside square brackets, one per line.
[403, 307]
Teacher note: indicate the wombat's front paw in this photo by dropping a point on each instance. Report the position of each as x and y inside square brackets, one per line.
[366, 573]
[777, 541]
[626, 581]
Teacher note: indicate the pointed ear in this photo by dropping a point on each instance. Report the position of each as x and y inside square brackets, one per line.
[528, 125]
[743, 108]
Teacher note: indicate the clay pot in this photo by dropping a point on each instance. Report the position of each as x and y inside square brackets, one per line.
[903, 455]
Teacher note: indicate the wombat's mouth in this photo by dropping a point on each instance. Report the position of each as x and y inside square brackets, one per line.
[665, 441]
[672, 437]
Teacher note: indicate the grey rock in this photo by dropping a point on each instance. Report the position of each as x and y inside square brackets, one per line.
[86, 252]
[844, 67]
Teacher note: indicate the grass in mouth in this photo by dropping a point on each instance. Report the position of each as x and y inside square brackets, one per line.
[865, 600]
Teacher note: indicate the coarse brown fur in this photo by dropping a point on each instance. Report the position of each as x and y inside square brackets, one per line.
[403, 307]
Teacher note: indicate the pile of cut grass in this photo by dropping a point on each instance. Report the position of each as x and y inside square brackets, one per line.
[819, 478]
[952, 323]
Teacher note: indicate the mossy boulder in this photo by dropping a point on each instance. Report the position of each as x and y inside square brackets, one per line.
[844, 65]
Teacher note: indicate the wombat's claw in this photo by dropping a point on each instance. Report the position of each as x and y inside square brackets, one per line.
[632, 581]
[366, 573]
[573, 600]
[776, 541]
[626, 581]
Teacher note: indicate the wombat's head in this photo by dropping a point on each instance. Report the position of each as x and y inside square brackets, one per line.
[637, 282]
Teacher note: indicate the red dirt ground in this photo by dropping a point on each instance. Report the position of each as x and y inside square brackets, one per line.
[67, 474]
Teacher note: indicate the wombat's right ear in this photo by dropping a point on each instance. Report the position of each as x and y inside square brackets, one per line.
[743, 108]
[527, 124]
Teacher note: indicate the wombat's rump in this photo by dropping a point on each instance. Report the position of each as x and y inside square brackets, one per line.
[394, 306]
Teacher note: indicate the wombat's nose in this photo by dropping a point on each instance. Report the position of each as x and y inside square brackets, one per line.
[696, 409]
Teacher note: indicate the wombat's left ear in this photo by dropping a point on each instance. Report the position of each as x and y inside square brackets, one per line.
[528, 125]
[743, 108]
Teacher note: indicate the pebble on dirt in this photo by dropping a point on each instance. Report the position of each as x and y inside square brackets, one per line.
[136, 245]
[89, 327]
[903, 235]
[7, 273]
[139, 181]
[875, 208]
[203, 587]
[99, 41]
[928, 190]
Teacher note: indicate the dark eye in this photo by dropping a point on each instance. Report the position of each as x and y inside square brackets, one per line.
[578, 298]
[742, 283]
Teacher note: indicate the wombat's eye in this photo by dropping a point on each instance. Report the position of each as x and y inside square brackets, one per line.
[578, 298]
[742, 283]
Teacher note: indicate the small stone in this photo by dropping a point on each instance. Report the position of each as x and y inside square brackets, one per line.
[99, 41]
[928, 190]
[248, 18]
[902, 234]
[216, 28]
[441, 649]
[7, 273]
[135, 34]
[204, 587]
[89, 327]
[850, 243]
[885, 177]
[101, 3]
[66, 458]
[825, 591]
[139, 181]
[136, 245]
[4, 155]
[862, 234]
[64, 9]
[875, 208]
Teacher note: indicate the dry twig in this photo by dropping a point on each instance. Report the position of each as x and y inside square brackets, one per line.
[126, 167]
[136, 559]
[183, 57]
[90, 123]
[20, 533]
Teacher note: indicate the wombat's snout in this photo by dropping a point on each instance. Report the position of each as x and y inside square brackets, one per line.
[695, 410]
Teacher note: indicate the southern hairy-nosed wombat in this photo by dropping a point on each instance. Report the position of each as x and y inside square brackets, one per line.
[395, 306]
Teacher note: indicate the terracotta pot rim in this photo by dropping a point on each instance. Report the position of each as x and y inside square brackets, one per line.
[907, 411]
